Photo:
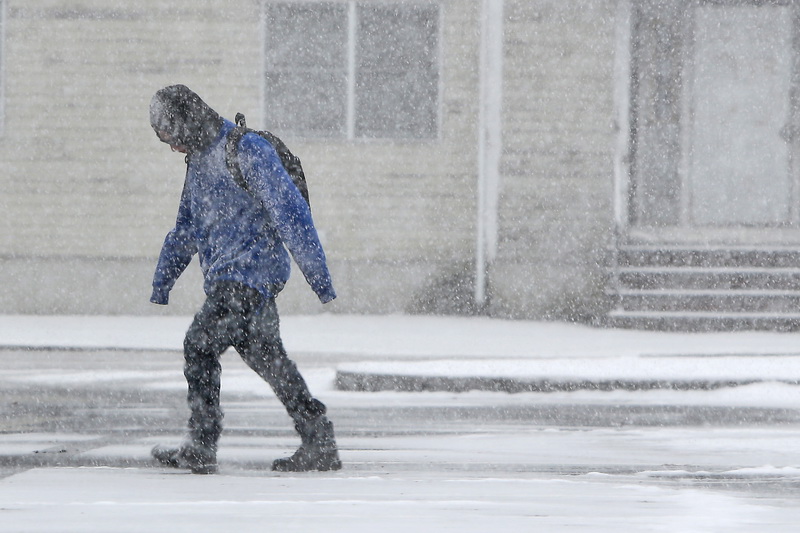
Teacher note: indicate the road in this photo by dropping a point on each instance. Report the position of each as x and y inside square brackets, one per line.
[107, 408]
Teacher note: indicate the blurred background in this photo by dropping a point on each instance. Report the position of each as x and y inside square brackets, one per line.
[622, 162]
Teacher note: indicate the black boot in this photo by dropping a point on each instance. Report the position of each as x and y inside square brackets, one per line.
[318, 449]
[197, 458]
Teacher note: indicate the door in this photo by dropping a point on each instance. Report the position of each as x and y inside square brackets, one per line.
[712, 119]
[738, 168]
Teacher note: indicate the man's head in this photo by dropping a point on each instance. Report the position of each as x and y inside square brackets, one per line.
[182, 119]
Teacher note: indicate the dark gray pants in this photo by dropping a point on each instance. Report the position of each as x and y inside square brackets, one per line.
[236, 315]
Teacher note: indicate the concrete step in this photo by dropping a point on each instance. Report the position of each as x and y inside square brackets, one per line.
[741, 301]
[690, 288]
[716, 278]
[687, 256]
[703, 320]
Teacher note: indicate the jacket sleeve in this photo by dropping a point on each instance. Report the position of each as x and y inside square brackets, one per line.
[176, 254]
[289, 212]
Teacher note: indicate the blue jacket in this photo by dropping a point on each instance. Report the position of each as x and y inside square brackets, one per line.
[238, 236]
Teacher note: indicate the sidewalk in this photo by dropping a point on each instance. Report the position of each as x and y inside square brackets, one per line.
[79, 424]
[419, 353]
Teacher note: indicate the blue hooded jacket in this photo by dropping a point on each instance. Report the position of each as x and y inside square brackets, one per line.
[239, 236]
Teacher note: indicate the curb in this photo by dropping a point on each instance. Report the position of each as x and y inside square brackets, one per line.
[87, 349]
[374, 382]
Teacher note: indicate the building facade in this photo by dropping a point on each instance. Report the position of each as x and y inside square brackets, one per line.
[622, 160]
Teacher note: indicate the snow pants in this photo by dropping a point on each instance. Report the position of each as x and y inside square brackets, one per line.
[236, 315]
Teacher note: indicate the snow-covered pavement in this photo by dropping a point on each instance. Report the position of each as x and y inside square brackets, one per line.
[566, 356]
[99, 500]
[81, 411]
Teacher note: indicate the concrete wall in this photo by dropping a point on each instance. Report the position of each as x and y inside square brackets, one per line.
[89, 193]
[556, 200]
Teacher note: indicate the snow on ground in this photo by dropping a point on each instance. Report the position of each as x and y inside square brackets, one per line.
[401, 336]
[145, 501]
[452, 494]
[460, 346]
[571, 487]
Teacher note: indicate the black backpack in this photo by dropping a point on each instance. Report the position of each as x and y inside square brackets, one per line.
[290, 161]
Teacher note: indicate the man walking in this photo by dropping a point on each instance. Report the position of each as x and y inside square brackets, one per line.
[241, 238]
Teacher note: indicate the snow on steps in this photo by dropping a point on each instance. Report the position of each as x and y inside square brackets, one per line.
[699, 289]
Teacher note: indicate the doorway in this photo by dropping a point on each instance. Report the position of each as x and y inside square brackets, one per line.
[713, 121]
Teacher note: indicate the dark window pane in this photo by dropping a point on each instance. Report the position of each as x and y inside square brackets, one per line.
[397, 105]
[397, 84]
[306, 68]
[306, 103]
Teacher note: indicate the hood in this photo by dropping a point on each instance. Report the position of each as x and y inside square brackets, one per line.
[181, 114]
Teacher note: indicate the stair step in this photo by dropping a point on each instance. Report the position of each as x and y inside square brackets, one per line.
[703, 320]
[774, 257]
[768, 301]
[705, 288]
[708, 278]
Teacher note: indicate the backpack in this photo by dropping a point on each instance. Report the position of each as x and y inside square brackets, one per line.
[289, 161]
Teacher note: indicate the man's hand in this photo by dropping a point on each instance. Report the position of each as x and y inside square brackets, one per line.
[327, 295]
[160, 296]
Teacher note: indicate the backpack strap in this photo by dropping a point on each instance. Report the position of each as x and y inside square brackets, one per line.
[232, 151]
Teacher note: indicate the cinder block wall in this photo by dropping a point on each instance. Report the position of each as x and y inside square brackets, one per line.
[89, 193]
[556, 200]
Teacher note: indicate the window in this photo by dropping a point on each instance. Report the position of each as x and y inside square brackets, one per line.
[352, 70]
